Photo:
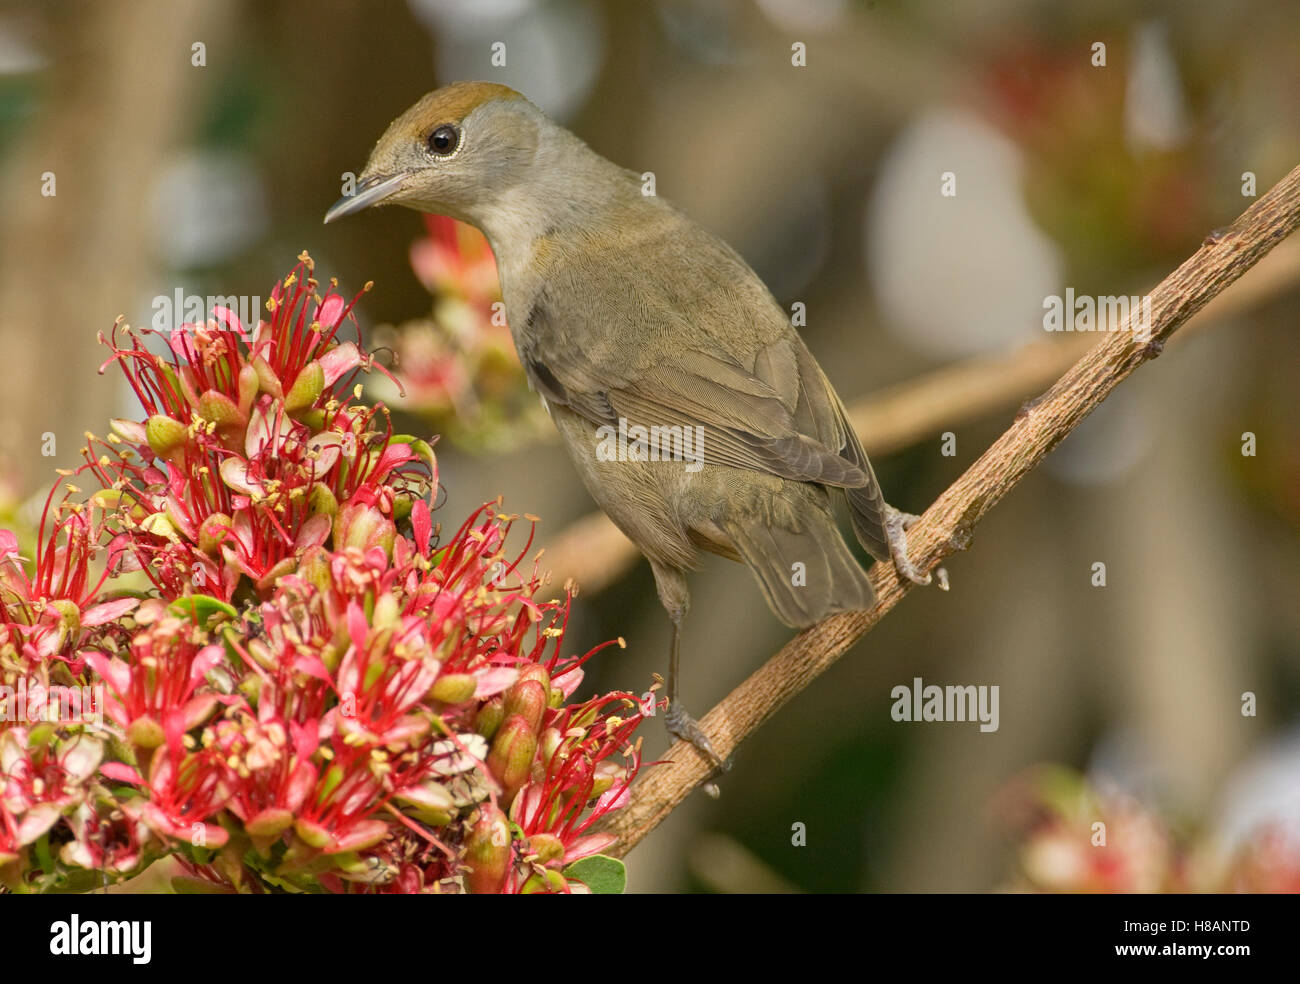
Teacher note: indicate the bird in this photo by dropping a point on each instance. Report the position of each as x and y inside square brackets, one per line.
[633, 323]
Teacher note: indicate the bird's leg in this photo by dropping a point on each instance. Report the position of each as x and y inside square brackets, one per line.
[680, 724]
[897, 523]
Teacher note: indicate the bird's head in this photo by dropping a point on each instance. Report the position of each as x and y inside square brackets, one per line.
[458, 151]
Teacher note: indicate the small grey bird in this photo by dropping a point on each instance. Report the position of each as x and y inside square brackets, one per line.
[634, 323]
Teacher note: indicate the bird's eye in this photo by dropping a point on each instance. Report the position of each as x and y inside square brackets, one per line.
[443, 140]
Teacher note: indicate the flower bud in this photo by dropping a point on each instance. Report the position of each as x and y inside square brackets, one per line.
[363, 527]
[487, 851]
[165, 434]
[247, 388]
[322, 500]
[527, 698]
[306, 388]
[145, 732]
[606, 774]
[511, 758]
[285, 565]
[535, 671]
[386, 615]
[314, 568]
[312, 834]
[221, 410]
[212, 531]
[490, 716]
[550, 744]
[267, 380]
[69, 615]
[547, 847]
[549, 880]
[271, 822]
[455, 688]
[430, 802]
[129, 430]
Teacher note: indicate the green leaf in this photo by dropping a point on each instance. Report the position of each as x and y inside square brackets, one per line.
[600, 873]
[201, 607]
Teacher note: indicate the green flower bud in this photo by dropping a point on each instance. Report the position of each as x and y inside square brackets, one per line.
[312, 834]
[145, 732]
[247, 389]
[165, 435]
[314, 568]
[511, 757]
[221, 410]
[487, 851]
[455, 688]
[490, 716]
[267, 380]
[363, 527]
[547, 847]
[549, 880]
[306, 389]
[430, 802]
[527, 698]
[212, 532]
[271, 822]
[322, 500]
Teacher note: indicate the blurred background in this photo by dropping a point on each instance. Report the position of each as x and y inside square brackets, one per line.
[196, 144]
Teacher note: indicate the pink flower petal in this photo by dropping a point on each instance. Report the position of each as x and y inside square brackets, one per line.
[327, 446]
[109, 611]
[313, 533]
[37, 821]
[421, 524]
[367, 833]
[234, 472]
[121, 772]
[357, 626]
[339, 360]
[586, 846]
[492, 682]
[114, 672]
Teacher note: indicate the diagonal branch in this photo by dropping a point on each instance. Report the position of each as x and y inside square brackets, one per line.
[949, 523]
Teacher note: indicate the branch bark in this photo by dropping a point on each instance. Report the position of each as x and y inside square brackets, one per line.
[948, 525]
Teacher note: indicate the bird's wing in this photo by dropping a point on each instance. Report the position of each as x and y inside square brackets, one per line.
[778, 415]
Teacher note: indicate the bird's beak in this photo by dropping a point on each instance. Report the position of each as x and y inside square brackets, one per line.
[369, 192]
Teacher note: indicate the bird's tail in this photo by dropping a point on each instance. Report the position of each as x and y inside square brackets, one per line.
[805, 574]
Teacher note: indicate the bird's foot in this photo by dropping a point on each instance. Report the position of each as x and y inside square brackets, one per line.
[897, 523]
[685, 728]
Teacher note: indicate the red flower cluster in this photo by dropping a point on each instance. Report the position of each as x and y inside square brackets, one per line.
[293, 680]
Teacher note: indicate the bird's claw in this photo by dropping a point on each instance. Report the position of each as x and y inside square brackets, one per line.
[685, 728]
[897, 523]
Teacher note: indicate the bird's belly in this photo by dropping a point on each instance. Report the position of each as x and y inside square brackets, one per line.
[642, 498]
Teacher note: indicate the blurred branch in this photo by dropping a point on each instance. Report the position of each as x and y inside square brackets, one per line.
[595, 553]
[948, 525]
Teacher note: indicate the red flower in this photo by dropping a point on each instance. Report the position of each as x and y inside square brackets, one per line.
[320, 682]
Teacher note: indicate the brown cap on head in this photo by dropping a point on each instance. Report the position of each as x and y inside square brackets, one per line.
[452, 103]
